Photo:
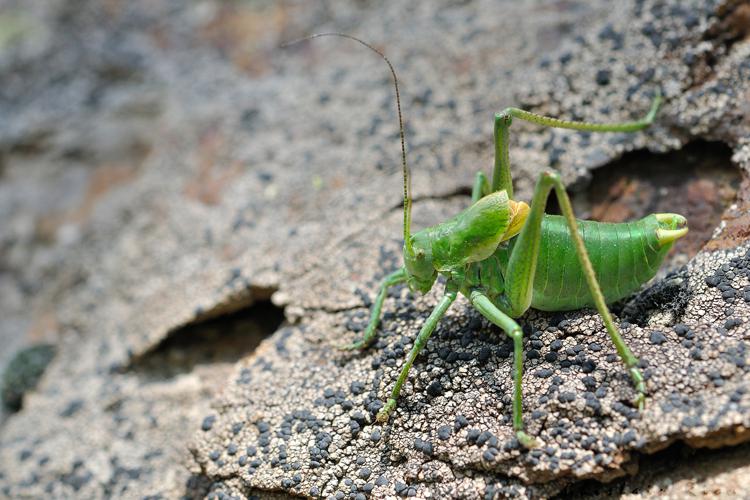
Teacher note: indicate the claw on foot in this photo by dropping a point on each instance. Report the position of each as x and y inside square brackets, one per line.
[640, 386]
[385, 411]
[640, 402]
[527, 441]
[358, 345]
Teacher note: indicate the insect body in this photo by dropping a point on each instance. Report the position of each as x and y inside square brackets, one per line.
[624, 256]
[506, 256]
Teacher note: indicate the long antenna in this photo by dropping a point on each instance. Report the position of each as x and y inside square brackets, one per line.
[407, 176]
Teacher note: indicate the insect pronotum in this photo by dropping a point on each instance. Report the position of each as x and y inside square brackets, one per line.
[491, 252]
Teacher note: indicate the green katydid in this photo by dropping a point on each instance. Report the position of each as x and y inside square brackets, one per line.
[506, 256]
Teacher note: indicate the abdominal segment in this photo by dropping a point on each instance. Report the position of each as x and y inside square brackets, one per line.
[623, 255]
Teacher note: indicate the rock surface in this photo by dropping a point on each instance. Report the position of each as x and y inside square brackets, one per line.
[167, 170]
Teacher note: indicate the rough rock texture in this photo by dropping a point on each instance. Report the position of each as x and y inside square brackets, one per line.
[681, 472]
[166, 165]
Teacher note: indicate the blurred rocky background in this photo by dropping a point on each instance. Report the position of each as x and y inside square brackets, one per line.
[192, 218]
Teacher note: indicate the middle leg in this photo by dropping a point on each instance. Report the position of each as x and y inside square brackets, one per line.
[419, 343]
[484, 305]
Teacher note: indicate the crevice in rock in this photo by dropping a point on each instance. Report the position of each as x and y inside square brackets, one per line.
[698, 181]
[216, 338]
[732, 25]
[459, 192]
[659, 471]
[245, 296]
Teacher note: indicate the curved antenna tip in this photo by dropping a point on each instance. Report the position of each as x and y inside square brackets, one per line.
[407, 176]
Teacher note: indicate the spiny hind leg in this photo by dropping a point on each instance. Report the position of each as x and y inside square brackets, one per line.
[501, 177]
[485, 306]
[522, 264]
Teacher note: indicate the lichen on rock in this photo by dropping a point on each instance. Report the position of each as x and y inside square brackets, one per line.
[220, 173]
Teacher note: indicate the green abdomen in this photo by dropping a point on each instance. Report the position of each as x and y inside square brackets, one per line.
[624, 256]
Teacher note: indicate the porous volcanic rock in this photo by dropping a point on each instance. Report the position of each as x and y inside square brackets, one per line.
[168, 166]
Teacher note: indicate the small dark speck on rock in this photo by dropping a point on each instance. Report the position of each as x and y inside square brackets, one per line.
[543, 373]
[589, 381]
[484, 437]
[681, 329]
[423, 446]
[354, 427]
[444, 432]
[357, 388]
[435, 389]
[484, 355]
[472, 435]
[72, 408]
[375, 406]
[731, 323]
[566, 397]
[208, 422]
[461, 422]
[657, 337]
[603, 77]
[713, 281]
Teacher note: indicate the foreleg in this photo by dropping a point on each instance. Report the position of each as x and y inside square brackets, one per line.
[369, 336]
[419, 343]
